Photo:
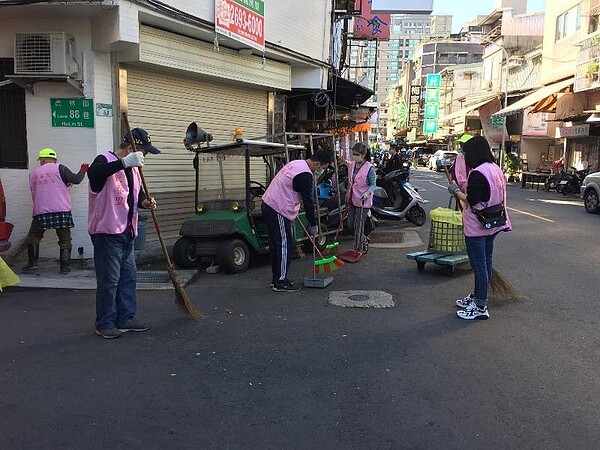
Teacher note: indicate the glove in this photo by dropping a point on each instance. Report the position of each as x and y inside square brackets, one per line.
[135, 159]
[84, 167]
[453, 188]
[312, 230]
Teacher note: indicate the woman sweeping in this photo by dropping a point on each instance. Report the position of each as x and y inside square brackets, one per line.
[361, 184]
[483, 218]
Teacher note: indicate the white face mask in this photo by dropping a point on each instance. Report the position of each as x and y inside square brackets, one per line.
[357, 158]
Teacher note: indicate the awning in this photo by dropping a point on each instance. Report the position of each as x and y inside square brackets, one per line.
[536, 97]
[466, 110]
[346, 94]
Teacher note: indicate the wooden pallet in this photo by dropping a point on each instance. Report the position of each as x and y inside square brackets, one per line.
[448, 260]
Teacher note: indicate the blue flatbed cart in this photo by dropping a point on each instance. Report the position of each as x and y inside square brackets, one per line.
[448, 260]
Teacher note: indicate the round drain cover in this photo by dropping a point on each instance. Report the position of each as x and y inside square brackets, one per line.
[361, 299]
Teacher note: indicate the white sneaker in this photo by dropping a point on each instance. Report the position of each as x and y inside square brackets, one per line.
[465, 302]
[473, 312]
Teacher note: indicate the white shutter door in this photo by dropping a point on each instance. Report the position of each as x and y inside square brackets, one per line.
[164, 105]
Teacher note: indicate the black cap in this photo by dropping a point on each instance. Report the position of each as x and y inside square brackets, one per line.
[142, 140]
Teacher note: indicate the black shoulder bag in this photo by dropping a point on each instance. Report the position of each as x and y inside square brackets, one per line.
[492, 216]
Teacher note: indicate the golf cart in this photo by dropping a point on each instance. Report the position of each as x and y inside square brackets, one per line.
[227, 224]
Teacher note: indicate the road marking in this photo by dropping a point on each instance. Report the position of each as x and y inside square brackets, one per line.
[530, 215]
[438, 185]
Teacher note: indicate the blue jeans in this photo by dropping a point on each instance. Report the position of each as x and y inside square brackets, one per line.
[480, 251]
[115, 278]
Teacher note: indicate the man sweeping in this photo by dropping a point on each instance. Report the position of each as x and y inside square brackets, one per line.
[292, 186]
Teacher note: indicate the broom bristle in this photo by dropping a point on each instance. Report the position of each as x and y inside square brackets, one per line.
[331, 249]
[502, 289]
[182, 300]
[327, 265]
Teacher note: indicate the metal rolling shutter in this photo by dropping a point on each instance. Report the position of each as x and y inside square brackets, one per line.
[165, 105]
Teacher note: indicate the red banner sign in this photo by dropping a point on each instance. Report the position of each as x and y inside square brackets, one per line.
[242, 20]
[371, 26]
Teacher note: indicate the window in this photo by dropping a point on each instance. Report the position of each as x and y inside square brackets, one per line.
[568, 23]
[395, 43]
[13, 134]
[476, 57]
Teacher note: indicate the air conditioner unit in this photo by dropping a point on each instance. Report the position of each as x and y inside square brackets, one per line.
[45, 54]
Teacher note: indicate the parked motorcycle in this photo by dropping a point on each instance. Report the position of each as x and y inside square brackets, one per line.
[396, 199]
[571, 183]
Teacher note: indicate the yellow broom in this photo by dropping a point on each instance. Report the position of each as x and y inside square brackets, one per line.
[181, 298]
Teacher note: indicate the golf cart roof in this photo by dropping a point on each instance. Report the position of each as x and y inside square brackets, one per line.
[256, 148]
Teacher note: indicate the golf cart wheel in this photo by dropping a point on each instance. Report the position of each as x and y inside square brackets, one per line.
[184, 253]
[420, 266]
[591, 201]
[417, 215]
[233, 256]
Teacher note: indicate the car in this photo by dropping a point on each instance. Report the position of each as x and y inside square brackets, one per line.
[441, 159]
[421, 156]
[590, 193]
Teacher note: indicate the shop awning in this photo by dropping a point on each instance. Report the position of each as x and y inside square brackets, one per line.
[539, 97]
[466, 110]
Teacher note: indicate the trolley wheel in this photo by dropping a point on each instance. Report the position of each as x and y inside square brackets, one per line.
[450, 270]
[420, 266]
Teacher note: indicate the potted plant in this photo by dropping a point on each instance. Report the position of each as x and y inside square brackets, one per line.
[511, 166]
[591, 70]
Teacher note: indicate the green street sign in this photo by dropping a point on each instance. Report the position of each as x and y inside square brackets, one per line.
[432, 111]
[497, 121]
[432, 95]
[434, 80]
[72, 112]
[430, 126]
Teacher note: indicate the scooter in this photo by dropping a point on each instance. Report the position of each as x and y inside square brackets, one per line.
[396, 199]
[571, 183]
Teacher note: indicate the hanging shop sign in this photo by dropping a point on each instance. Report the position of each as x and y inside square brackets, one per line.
[396, 7]
[242, 20]
[430, 126]
[414, 106]
[574, 131]
[434, 80]
[431, 111]
[72, 112]
[370, 25]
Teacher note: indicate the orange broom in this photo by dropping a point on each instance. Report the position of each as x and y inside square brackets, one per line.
[325, 264]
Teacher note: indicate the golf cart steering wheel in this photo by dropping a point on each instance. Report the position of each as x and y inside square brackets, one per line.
[257, 190]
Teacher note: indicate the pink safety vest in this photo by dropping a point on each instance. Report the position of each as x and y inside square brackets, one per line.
[48, 191]
[358, 184]
[471, 225]
[280, 194]
[460, 172]
[108, 209]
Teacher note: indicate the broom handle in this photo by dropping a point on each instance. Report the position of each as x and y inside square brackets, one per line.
[458, 203]
[311, 239]
[147, 193]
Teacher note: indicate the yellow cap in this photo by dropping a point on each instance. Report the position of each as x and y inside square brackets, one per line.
[47, 153]
[464, 138]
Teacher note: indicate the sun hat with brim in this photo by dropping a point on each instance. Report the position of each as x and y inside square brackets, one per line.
[142, 140]
[47, 153]
[464, 138]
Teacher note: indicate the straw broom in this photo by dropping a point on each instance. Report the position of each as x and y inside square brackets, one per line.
[500, 287]
[182, 300]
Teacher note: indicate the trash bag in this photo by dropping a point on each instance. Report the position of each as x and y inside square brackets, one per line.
[446, 234]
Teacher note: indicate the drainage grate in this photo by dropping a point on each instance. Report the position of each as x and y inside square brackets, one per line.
[359, 298]
[153, 277]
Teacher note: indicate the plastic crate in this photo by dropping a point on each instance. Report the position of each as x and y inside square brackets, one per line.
[446, 234]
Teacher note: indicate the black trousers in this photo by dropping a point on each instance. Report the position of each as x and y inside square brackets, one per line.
[281, 242]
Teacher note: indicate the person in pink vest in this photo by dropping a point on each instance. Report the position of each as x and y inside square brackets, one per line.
[486, 187]
[359, 197]
[49, 186]
[459, 168]
[292, 186]
[115, 195]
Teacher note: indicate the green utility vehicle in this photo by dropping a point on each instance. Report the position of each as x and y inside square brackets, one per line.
[229, 226]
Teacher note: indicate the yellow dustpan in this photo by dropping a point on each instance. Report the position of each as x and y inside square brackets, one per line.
[7, 276]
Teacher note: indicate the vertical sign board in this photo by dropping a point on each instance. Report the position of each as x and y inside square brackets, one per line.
[432, 100]
[72, 112]
[242, 20]
[414, 106]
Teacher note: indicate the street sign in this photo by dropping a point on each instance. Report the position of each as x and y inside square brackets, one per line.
[430, 126]
[434, 80]
[432, 95]
[497, 121]
[104, 109]
[432, 111]
[72, 112]
[414, 106]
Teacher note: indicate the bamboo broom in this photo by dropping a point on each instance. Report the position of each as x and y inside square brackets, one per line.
[182, 300]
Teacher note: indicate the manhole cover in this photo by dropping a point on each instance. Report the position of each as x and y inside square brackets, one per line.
[387, 237]
[153, 277]
[361, 299]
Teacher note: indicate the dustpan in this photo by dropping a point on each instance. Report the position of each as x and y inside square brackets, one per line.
[350, 256]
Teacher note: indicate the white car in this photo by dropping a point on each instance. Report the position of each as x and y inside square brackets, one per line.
[441, 159]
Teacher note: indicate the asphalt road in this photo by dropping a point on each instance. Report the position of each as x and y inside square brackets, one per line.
[270, 370]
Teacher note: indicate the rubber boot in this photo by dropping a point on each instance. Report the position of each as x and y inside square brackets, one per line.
[65, 261]
[33, 254]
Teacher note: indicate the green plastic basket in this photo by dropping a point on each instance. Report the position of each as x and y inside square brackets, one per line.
[446, 234]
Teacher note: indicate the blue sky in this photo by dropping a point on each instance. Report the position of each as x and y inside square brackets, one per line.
[466, 10]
